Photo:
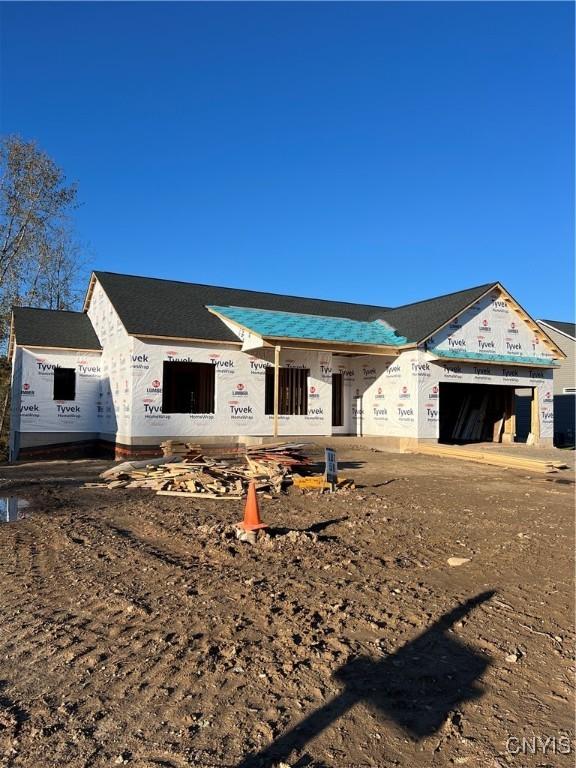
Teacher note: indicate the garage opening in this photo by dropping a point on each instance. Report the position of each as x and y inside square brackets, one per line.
[188, 387]
[475, 413]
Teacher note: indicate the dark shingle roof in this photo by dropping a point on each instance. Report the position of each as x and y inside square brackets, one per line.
[568, 328]
[419, 320]
[53, 328]
[152, 307]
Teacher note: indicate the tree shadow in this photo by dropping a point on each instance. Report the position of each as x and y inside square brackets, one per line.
[416, 687]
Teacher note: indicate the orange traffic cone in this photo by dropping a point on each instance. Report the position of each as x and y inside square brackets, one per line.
[252, 520]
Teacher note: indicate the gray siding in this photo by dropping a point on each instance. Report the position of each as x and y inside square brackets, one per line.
[564, 377]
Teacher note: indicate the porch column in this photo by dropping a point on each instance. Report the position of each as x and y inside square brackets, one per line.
[534, 417]
[509, 417]
[276, 387]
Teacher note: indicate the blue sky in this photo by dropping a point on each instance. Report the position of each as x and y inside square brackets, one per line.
[371, 152]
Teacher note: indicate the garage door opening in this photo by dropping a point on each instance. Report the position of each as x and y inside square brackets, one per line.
[477, 413]
[188, 387]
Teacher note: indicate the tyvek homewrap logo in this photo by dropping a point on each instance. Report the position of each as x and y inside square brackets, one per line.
[140, 362]
[513, 347]
[404, 393]
[485, 346]
[313, 393]
[153, 411]
[485, 326]
[547, 415]
[325, 369]
[510, 374]
[404, 413]
[368, 373]
[348, 374]
[356, 412]
[155, 388]
[393, 371]
[452, 371]
[258, 367]
[315, 414]
[26, 390]
[294, 364]
[499, 305]
[240, 390]
[379, 412]
[239, 411]
[456, 343]
[223, 365]
[481, 372]
[44, 368]
[420, 369]
[29, 412]
[173, 356]
[432, 412]
[64, 411]
[88, 369]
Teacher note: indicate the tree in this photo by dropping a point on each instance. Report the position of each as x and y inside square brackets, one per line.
[39, 258]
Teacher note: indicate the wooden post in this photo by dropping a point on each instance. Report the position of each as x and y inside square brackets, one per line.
[510, 417]
[276, 387]
[534, 417]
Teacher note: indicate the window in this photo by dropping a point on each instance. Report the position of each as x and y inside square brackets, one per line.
[337, 410]
[64, 383]
[292, 391]
[569, 390]
[188, 387]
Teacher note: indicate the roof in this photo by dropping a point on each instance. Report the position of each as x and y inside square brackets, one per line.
[60, 329]
[569, 329]
[421, 319]
[293, 325]
[168, 308]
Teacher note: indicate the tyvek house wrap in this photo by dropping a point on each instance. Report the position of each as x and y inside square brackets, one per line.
[38, 410]
[239, 392]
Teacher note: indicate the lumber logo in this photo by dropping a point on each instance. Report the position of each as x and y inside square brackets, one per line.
[379, 394]
[240, 390]
[26, 390]
[433, 394]
[155, 389]
[485, 327]
[313, 393]
[404, 393]
[547, 397]
[512, 328]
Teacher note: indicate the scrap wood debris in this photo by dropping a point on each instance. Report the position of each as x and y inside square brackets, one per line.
[193, 474]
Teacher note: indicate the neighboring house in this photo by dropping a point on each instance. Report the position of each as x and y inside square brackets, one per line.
[148, 360]
[564, 334]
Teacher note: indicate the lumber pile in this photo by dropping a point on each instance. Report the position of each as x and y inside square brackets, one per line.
[195, 475]
[525, 464]
[177, 448]
[287, 454]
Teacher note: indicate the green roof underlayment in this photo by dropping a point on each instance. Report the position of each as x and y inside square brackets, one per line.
[292, 325]
[490, 358]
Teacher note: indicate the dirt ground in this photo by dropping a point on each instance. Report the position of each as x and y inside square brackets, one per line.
[136, 630]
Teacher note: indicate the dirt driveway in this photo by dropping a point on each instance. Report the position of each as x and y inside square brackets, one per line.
[136, 630]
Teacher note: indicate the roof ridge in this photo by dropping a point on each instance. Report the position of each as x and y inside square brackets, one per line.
[298, 314]
[245, 290]
[445, 295]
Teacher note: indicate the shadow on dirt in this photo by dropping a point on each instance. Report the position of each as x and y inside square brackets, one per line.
[417, 687]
